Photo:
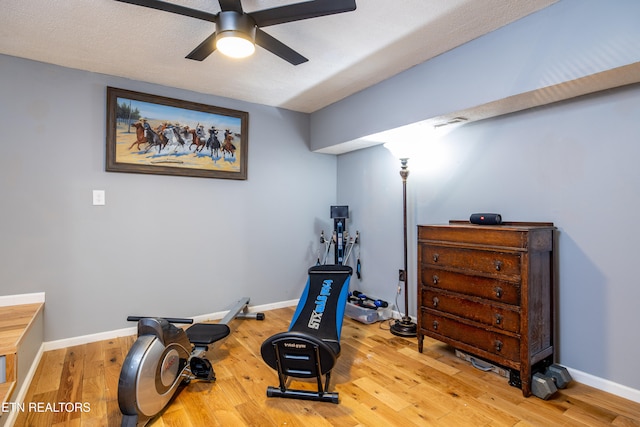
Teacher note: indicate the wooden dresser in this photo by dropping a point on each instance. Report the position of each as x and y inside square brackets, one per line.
[487, 291]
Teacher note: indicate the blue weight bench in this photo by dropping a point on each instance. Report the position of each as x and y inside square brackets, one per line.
[311, 346]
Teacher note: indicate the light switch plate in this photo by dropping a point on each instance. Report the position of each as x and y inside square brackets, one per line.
[98, 198]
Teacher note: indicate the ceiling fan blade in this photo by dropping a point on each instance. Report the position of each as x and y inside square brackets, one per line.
[230, 5]
[173, 8]
[204, 49]
[299, 11]
[278, 48]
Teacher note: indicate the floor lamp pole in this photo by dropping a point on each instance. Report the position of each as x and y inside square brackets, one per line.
[405, 326]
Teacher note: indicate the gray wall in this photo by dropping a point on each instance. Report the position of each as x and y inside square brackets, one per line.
[171, 246]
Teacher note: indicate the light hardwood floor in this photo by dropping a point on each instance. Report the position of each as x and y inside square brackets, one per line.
[381, 378]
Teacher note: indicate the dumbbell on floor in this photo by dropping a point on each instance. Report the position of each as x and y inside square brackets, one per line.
[560, 375]
[544, 385]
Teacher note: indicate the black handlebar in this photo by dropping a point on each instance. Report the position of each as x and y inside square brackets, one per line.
[168, 319]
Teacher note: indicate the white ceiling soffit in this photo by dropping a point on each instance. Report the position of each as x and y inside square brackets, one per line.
[347, 52]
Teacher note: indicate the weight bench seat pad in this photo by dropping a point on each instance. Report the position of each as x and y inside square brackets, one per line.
[207, 333]
[322, 304]
[318, 316]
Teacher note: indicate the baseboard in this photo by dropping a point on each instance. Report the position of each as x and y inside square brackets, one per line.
[605, 385]
[8, 300]
[101, 336]
[86, 339]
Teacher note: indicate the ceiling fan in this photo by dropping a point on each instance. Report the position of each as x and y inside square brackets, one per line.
[237, 32]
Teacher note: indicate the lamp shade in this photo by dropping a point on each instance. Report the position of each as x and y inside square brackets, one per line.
[403, 149]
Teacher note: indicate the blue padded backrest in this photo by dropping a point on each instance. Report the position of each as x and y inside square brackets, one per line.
[322, 304]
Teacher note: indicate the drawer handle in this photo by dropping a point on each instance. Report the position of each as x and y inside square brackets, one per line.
[498, 292]
[436, 279]
[435, 325]
[498, 319]
[436, 301]
[498, 345]
[435, 257]
[498, 265]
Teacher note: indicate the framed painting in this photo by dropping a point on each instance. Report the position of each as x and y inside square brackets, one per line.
[157, 135]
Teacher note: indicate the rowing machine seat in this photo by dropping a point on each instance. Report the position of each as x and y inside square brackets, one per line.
[202, 334]
[311, 346]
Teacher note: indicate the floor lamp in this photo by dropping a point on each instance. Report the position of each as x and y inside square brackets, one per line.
[406, 142]
[404, 327]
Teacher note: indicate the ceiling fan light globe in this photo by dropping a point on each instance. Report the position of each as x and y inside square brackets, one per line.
[235, 34]
[234, 45]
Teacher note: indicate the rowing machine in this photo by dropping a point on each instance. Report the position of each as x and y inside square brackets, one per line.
[163, 357]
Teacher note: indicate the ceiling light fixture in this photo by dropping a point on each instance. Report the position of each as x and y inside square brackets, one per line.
[459, 119]
[235, 34]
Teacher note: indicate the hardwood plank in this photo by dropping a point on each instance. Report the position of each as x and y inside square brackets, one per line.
[394, 400]
[114, 351]
[49, 371]
[70, 391]
[623, 421]
[252, 414]
[584, 395]
[527, 414]
[199, 412]
[75, 422]
[33, 417]
[15, 320]
[463, 417]
[10, 374]
[6, 389]
[497, 416]
[93, 393]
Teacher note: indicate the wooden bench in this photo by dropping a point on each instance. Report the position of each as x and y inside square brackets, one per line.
[17, 322]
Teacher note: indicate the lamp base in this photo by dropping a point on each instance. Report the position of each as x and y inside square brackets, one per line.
[404, 328]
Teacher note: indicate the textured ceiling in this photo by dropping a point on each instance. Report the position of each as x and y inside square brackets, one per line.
[347, 52]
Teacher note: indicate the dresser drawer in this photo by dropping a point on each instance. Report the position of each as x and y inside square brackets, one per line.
[499, 264]
[531, 236]
[472, 309]
[479, 286]
[446, 329]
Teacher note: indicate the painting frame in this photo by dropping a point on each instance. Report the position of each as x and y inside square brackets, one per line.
[183, 122]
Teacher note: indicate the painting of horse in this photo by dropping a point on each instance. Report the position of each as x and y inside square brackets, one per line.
[159, 135]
